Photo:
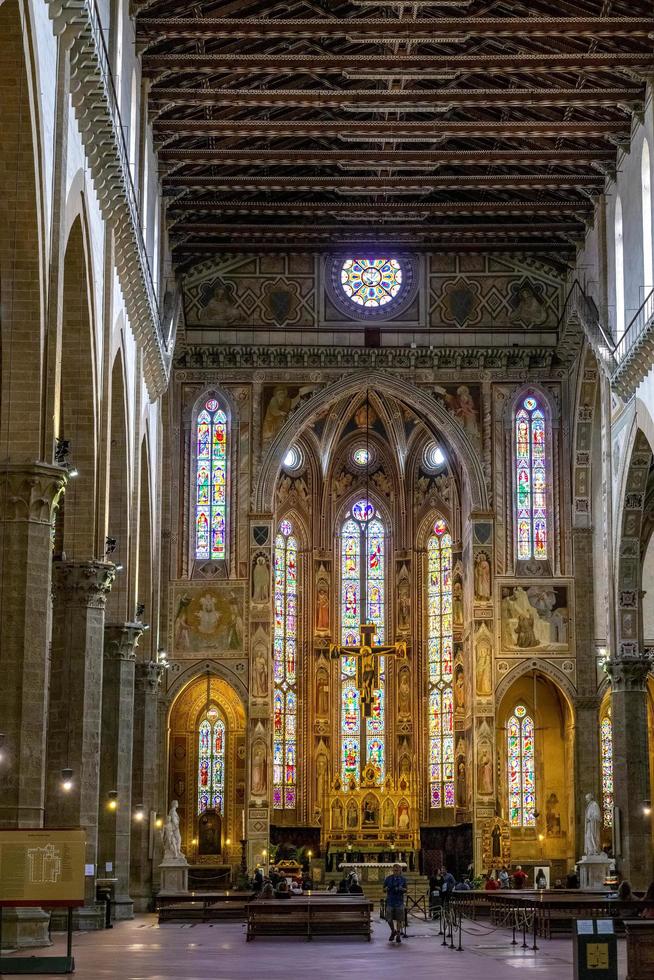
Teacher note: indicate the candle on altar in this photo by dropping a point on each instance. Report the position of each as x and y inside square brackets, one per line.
[242, 824]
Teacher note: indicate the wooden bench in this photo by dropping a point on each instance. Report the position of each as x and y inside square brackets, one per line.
[309, 916]
[203, 906]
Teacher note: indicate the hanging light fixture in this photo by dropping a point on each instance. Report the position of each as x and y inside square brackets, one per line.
[66, 780]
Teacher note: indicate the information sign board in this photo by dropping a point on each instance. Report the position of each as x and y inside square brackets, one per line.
[42, 867]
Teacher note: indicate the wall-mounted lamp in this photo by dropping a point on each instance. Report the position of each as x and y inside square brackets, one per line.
[66, 780]
[647, 808]
[139, 812]
[112, 799]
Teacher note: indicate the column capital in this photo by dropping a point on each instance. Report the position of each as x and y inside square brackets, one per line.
[628, 671]
[148, 674]
[121, 640]
[30, 491]
[84, 583]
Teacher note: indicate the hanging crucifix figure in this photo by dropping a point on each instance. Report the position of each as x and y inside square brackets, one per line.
[367, 661]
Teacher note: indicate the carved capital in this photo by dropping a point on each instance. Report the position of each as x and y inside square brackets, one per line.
[84, 583]
[30, 491]
[121, 640]
[148, 674]
[628, 672]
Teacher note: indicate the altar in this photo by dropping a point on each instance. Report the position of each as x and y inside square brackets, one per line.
[370, 871]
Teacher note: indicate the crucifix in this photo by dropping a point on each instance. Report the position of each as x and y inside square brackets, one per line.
[367, 661]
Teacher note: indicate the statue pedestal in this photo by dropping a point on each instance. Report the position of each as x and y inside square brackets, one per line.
[174, 876]
[593, 870]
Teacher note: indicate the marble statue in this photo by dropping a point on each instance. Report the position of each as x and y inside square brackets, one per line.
[171, 836]
[593, 827]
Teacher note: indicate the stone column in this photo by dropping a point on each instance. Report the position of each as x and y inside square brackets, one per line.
[29, 496]
[144, 782]
[587, 701]
[631, 764]
[116, 758]
[80, 592]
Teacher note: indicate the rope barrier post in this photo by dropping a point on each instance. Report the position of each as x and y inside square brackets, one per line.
[524, 930]
[460, 946]
[535, 946]
[452, 926]
[444, 922]
[514, 941]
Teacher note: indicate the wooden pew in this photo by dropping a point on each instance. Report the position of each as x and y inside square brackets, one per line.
[203, 906]
[309, 916]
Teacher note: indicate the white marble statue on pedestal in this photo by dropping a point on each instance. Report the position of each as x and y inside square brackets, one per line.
[174, 867]
[594, 865]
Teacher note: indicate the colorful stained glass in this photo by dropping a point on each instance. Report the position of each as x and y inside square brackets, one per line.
[606, 761]
[531, 481]
[362, 597]
[440, 667]
[521, 768]
[211, 482]
[361, 457]
[211, 766]
[371, 282]
[285, 646]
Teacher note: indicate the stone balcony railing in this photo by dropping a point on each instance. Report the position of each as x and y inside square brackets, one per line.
[96, 108]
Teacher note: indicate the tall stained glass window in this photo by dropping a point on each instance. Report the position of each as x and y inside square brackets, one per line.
[531, 480]
[521, 768]
[211, 766]
[606, 759]
[285, 669]
[440, 667]
[362, 599]
[211, 482]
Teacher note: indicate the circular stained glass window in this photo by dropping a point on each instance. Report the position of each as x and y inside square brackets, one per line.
[520, 711]
[362, 510]
[433, 457]
[293, 458]
[361, 457]
[371, 282]
[211, 405]
[286, 528]
[530, 404]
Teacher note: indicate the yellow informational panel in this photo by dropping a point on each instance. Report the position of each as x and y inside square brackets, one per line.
[42, 866]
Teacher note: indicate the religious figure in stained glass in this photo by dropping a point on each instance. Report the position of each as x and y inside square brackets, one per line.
[606, 760]
[211, 765]
[521, 768]
[362, 600]
[531, 481]
[285, 640]
[440, 667]
[211, 433]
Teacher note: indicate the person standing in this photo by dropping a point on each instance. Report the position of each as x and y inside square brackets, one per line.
[448, 882]
[395, 887]
[519, 877]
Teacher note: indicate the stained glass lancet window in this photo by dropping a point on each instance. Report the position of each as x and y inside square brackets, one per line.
[362, 599]
[606, 759]
[211, 766]
[211, 482]
[285, 645]
[531, 480]
[521, 768]
[440, 668]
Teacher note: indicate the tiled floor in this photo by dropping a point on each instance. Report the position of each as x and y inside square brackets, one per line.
[143, 950]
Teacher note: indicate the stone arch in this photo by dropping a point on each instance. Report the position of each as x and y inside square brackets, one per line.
[22, 257]
[629, 624]
[118, 510]
[431, 412]
[76, 400]
[544, 667]
[185, 712]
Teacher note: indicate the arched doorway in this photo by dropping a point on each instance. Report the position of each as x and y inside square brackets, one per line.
[536, 765]
[206, 769]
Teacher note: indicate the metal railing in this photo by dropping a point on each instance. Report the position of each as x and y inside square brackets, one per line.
[637, 326]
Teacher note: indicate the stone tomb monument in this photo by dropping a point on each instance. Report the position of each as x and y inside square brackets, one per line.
[594, 865]
[174, 867]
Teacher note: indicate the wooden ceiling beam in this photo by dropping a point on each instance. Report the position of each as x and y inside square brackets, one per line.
[386, 157]
[202, 249]
[387, 184]
[407, 100]
[396, 130]
[445, 230]
[396, 65]
[392, 209]
[370, 28]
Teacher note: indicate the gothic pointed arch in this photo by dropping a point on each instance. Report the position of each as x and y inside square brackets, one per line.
[210, 480]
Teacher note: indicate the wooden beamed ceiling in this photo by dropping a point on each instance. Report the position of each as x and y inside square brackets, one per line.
[461, 125]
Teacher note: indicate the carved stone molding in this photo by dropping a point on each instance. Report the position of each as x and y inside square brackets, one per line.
[30, 491]
[629, 672]
[84, 583]
[121, 640]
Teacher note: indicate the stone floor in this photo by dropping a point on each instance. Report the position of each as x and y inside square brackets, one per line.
[143, 950]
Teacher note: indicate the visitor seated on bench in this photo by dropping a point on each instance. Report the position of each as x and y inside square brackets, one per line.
[648, 913]
[267, 891]
[343, 886]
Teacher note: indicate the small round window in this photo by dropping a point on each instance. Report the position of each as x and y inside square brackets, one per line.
[373, 286]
